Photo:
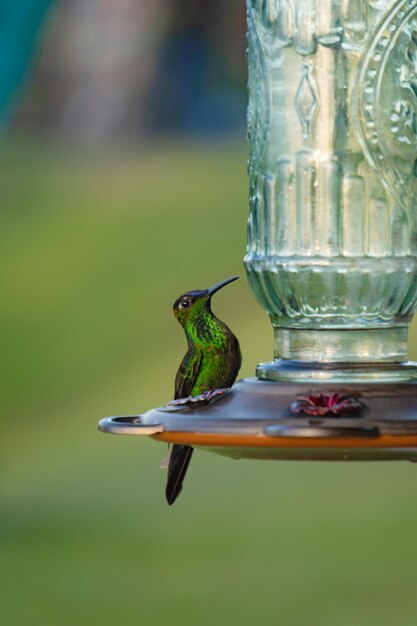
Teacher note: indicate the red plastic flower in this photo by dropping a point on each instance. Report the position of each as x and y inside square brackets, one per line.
[325, 403]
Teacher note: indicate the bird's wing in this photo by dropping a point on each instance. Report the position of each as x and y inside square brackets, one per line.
[237, 359]
[187, 373]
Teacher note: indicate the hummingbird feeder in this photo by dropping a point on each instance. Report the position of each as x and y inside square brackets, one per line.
[332, 241]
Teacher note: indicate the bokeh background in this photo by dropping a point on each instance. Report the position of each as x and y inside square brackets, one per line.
[122, 168]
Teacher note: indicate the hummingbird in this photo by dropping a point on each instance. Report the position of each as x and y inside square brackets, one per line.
[212, 361]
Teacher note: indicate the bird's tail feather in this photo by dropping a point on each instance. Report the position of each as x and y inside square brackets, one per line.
[178, 464]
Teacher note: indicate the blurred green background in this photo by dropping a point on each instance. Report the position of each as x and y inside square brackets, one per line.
[95, 248]
[97, 240]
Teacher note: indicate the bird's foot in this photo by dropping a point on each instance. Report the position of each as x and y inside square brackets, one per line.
[203, 398]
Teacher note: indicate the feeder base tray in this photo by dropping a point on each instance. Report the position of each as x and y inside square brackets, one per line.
[282, 421]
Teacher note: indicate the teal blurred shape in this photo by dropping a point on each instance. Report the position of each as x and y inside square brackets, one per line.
[20, 21]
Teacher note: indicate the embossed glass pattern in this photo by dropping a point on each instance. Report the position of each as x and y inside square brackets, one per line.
[332, 120]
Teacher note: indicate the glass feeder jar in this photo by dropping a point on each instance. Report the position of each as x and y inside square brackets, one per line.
[332, 231]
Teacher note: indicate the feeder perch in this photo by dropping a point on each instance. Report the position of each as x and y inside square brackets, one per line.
[332, 241]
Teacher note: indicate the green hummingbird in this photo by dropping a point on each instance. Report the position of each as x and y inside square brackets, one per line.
[212, 361]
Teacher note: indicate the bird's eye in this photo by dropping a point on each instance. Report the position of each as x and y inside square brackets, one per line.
[185, 303]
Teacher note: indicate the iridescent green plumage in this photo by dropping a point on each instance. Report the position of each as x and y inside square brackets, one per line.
[212, 361]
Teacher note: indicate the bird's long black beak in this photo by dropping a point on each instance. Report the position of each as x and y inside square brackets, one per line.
[220, 285]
